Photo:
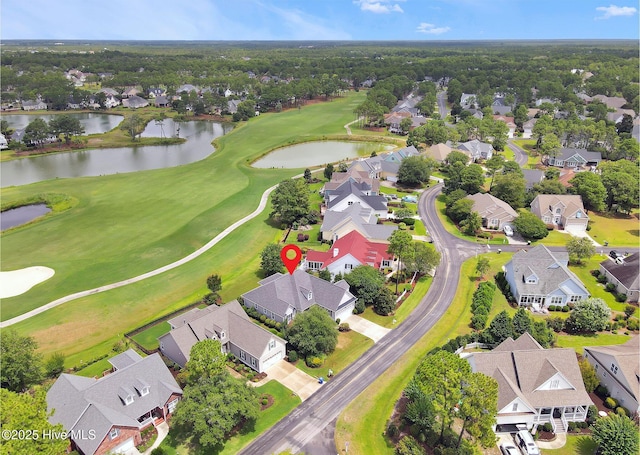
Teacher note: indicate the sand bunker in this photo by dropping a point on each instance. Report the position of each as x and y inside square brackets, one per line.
[18, 282]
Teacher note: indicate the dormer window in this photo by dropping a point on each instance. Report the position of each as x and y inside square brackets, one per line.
[578, 214]
[142, 387]
[222, 335]
[126, 395]
[113, 433]
[309, 295]
[272, 344]
[558, 210]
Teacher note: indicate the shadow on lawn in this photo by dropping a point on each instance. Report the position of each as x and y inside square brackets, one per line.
[585, 446]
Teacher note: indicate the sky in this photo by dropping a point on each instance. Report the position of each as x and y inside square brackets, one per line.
[368, 20]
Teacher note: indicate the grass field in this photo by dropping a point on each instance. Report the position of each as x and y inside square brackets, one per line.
[148, 339]
[157, 223]
[351, 345]
[498, 237]
[363, 422]
[284, 402]
[617, 229]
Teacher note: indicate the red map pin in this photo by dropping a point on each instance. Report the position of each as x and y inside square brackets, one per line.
[291, 262]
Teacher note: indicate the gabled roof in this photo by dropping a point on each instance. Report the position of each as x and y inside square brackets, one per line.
[627, 356]
[439, 152]
[279, 293]
[364, 251]
[614, 102]
[626, 273]
[532, 176]
[354, 188]
[209, 323]
[566, 153]
[338, 178]
[571, 203]
[362, 217]
[476, 148]
[490, 206]
[508, 120]
[84, 404]
[521, 368]
[550, 268]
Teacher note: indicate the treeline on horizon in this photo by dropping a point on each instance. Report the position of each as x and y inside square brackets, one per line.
[481, 69]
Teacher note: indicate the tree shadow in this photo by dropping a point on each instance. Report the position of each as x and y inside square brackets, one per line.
[635, 232]
[585, 446]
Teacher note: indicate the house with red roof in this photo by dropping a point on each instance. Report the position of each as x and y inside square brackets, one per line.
[349, 252]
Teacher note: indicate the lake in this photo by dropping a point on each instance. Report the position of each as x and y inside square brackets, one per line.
[318, 153]
[198, 134]
[93, 123]
[21, 215]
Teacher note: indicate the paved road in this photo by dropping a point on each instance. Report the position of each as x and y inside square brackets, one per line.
[522, 158]
[442, 104]
[311, 422]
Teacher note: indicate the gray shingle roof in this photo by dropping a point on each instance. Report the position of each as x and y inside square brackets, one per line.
[199, 324]
[490, 206]
[476, 148]
[354, 188]
[83, 404]
[550, 268]
[532, 176]
[521, 368]
[280, 292]
[627, 356]
[627, 273]
[588, 156]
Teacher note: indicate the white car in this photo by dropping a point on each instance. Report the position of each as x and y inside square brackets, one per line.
[526, 443]
[508, 230]
[509, 449]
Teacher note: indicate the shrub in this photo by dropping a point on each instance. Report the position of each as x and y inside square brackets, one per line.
[552, 308]
[300, 237]
[344, 327]
[595, 273]
[572, 426]
[392, 430]
[556, 324]
[402, 226]
[262, 318]
[306, 237]
[632, 324]
[408, 287]
[622, 411]
[592, 414]
[610, 287]
[629, 310]
[293, 356]
[547, 427]
[158, 451]
[314, 361]
[264, 401]
[610, 403]
[484, 235]
[619, 317]
[479, 321]
[621, 297]
[565, 309]
[602, 279]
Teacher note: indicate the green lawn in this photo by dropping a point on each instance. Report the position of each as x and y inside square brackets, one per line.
[351, 345]
[578, 342]
[96, 369]
[617, 229]
[527, 145]
[157, 223]
[498, 237]
[284, 402]
[576, 445]
[421, 288]
[508, 153]
[148, 339]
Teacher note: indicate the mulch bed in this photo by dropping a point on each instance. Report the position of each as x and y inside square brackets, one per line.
[270, 401]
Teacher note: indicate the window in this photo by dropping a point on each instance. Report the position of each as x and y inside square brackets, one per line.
[578, 214]
[386, 263]
[222, 335]
[161, 346]
[348, 266]
[575, 298]
[556, 300]
[113, 433]
[144, 391]
[128, 400]
[350, 203]
[515, 407]
[614, 369]
[558, 210]
[596, 367]
[172, 405]
[554, 384]
[242, 355]
[272, 344]
[253, 362]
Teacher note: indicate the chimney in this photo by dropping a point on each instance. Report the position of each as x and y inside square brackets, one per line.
[335, 252]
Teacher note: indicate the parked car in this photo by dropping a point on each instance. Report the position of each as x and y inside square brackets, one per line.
[508, 449]
[615, 255]
[508, 230]
[526, 443]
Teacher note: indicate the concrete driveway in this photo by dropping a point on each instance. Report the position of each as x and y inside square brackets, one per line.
[366, 327]
[289, 376]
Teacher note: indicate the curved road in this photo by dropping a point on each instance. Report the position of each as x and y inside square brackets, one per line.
[521, 157]
[173, 265]
[303, 429]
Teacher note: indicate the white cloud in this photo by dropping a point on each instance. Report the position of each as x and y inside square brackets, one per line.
[431, 29]
[614, 11]
[379, 6]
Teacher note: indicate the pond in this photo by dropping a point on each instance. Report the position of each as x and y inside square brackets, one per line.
[21, 215]
[93, 123]
[198, 134]
[317, 153]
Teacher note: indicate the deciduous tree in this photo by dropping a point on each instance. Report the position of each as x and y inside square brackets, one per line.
[290, 201]
[511, 189]
[415, 170]
[616, 435]
[424, 258]
[20, 364]
[365, 282]
[482, 266]
[313, 332]
[206, 360]
[400, 246]
[530, 226]
[580, 248]
[36, 131]
[589, 186]
[588, 316]
[133, 125]
[67, 125]
[589, 375]
[271, 262]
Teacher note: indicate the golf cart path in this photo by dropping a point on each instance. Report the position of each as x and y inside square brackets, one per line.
[203, 249]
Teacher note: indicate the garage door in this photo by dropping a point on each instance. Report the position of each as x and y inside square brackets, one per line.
[127, 445]
[272, 360]
[345, 312]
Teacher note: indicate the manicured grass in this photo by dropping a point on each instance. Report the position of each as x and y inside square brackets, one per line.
[578, 342]
[617, 229]
[576, 445]
[508, 153]
[421, 288]
[596, 289]
[419, 228]
[498, 237]
[527, 145]
[95, 369]
[363, 422]
[351, 345]
[284, 402]
[157, 224]
[148, 339]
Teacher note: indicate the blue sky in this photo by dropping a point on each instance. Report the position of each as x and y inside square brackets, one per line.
[318, 19]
